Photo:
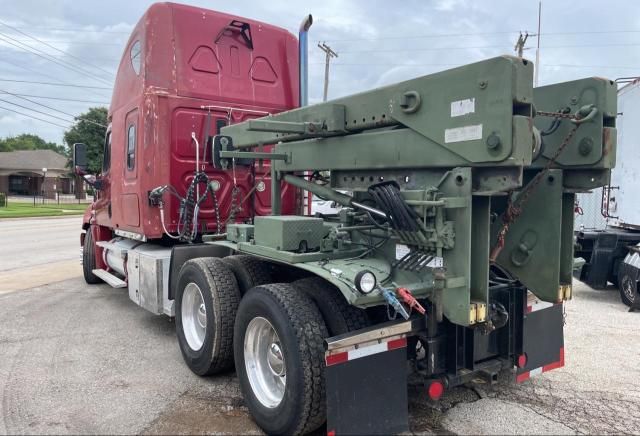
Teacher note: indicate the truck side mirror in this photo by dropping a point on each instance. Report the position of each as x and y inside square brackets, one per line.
[80, 163]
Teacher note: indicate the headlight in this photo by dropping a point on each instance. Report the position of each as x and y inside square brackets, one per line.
[365, 281]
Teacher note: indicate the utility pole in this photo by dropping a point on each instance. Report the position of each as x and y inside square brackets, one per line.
[537, 66]
[328, 55]
[519, 48]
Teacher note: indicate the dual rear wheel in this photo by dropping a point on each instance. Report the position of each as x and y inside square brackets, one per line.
[275, 333]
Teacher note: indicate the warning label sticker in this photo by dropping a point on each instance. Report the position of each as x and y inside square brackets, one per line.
[463, 107]
[466, 133]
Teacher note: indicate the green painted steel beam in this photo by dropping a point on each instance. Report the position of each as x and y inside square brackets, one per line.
[468, 111]
[458, 144]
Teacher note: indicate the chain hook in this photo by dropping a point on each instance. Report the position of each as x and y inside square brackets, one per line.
[585, 114]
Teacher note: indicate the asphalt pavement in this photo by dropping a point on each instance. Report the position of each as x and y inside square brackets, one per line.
[38, 251]
[84, 359]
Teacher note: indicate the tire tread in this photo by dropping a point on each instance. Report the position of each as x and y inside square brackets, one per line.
[249, 271]
[89, 259]
[310, 330]
[339, 316]
[226, 297]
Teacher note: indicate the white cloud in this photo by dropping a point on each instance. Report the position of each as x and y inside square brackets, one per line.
[377, 42]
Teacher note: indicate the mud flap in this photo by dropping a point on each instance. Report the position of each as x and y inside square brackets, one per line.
[542, 339]
[367, 388]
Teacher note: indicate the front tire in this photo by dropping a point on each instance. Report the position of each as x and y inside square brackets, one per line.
[89, 259]
[206, 301]
[279, 355]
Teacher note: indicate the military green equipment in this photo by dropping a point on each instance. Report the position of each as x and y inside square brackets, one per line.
[289, 233]
[457, 188]
[435, 162]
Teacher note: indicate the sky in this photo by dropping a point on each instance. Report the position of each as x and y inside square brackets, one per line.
[80, 43]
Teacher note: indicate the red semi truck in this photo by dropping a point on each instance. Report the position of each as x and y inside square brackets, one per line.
[177, 207]
[170, 85]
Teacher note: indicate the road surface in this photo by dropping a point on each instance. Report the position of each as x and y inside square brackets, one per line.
[84, 359]
[38, 251]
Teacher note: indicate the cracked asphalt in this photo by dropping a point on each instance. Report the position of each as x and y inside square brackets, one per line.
[84, 359]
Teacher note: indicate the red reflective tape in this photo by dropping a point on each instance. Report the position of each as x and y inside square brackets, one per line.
[334, 359]
[529, 309]
[397, 343]
[522, 377]
[555, 365]
[331, 433]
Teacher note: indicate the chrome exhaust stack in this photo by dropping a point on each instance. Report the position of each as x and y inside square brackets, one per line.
[303, 52]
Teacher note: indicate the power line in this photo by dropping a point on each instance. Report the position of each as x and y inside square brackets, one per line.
[391, 64]
[53, 109]
[34, 117]
[46, 56]
[40, 73]
[37, 111]
[488, 46]
[50, 58]
[449, 35]
[431, 35]
[56, 84]
[59, 41]
[61, 29]
[62, 99]
[55, 48]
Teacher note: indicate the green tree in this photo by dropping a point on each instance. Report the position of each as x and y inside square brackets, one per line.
[27, 141]
[90, 131]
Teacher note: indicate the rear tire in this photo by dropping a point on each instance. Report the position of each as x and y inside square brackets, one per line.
[249, 271]
[89, 259]
[279, 354]
[206, 303]
[339, 316]
[628, 288]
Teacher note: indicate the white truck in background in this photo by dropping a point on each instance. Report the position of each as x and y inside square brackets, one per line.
[607, 222]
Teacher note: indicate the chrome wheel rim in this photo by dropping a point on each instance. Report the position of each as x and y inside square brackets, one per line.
[264, 362]
[194, 316]
[628, 288]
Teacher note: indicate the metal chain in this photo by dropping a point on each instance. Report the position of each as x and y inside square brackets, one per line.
[513, 211]
[567, 115]
[216, 209]
[234, 207]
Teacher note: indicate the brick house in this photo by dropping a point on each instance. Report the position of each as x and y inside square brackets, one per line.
[29, 172]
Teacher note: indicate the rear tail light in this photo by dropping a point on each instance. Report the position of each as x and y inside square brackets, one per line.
[522, 361]
[435, 390]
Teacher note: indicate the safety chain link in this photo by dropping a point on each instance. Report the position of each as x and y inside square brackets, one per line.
[216, 209]
[234, 208]
[567, 115]
[513, 211]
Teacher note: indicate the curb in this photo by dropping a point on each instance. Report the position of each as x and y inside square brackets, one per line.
[70, 215]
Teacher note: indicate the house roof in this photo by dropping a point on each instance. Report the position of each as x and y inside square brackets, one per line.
[33, 160]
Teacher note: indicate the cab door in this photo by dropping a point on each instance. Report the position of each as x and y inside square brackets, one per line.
[102, 204]
[129, 198]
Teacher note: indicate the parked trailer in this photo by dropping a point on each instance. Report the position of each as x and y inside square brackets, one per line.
[448, 260]
[609, 243]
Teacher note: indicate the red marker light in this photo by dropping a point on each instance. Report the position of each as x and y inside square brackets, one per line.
[435, 390]
[522, 361]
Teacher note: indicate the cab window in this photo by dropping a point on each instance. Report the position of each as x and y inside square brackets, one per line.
[106, 156]
[136, 56]
[131, 147]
